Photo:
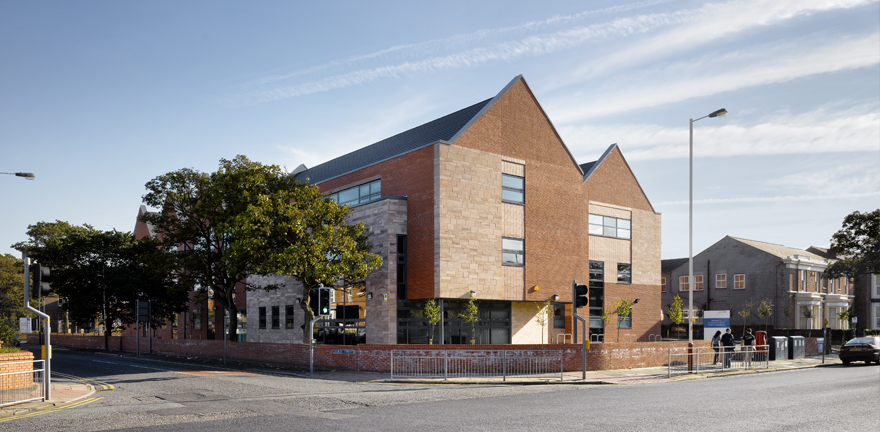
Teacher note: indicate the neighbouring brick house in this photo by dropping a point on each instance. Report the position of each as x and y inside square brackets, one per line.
[735, 271]
[486, 201]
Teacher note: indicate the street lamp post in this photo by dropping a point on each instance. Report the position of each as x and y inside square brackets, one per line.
[719, 113]
[28, 176]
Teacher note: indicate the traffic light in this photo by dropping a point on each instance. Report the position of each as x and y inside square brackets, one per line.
[42, 277]
[579, 295]
[313, 301]
[323, 301]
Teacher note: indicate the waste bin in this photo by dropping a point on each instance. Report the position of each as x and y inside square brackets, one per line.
[797, 347]
[778, 347]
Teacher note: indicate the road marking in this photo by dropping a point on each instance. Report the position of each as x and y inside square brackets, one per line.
[99, 385]
[51, 409]
[135, 366]
[217, 373]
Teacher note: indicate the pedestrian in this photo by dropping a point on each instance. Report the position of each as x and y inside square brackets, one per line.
[728, 342]
[748, 346]
[716, 345]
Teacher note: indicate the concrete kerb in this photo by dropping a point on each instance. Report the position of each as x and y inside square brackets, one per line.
[64, 389]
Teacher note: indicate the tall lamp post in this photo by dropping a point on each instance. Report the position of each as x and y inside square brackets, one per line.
[28, 176]
[720, 113]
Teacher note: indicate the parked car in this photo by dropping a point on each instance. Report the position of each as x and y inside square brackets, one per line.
[866, 349]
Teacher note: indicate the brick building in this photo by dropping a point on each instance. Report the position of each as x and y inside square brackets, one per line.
[485, 202]
[734, 271]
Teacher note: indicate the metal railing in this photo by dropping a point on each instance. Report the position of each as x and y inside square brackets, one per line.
[23, 385]
[655, 338]
[564, 337]
[477, 364]
[726, 358]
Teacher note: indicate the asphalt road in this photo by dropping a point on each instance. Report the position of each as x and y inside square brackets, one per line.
[155, 395]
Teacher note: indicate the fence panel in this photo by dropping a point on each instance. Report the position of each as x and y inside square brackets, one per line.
[476, 364]
[726, 358]
[24, 383]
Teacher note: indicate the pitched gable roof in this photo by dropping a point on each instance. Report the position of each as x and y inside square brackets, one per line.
[779, 251]
[446, 129]
[668, 265]
[591, 167]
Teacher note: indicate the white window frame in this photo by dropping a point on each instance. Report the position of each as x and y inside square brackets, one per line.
[720, 280]
[735, 281]
[663, 287]
[698, 282]
[683, 284]
[803, 286]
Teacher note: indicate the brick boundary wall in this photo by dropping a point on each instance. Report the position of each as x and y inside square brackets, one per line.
[376, 358]
[19, 381]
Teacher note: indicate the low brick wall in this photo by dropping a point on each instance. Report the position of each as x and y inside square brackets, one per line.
[375, 358]
[10, 362]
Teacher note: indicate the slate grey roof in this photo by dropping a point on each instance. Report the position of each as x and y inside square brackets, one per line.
[668, 265]
[586, 166]
[779, 250]
[441, 129]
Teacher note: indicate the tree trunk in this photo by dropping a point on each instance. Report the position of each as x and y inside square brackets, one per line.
[308, 314]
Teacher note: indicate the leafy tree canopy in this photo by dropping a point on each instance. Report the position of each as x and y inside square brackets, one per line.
[11, 297]
[858, 245]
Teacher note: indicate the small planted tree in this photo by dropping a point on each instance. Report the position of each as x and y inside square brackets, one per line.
[746, 312]
[674, 312]
[622, 309]
[544, 317]
[765, 309]
[432, 314]
[807, 313]
[471, 314]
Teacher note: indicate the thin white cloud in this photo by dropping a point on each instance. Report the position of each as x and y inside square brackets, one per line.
[824, 130]
[687, 21]
[776, 199]
[762, 65]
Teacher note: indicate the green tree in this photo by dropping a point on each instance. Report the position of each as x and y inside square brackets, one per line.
[102, 273]
[11, 297]
[765, 309]
[471, 314]
[622, 308]
[857, 244]
[432, 313]
[807, 312]
[674, 312]
[272, 224]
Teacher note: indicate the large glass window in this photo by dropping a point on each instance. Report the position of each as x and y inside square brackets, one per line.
[597, 297]
[276, 318]
[401, 267]
[492, 326]
[624, 273]
[262, 317]
[359, 194]
[608, 226]
[559, 316]
[626, 323]
[513, 189]
[512, 251]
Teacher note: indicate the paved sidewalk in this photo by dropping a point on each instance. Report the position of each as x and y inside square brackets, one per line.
[63, 392]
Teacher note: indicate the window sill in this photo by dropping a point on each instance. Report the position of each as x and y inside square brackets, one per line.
[513, 202]
[512, 265]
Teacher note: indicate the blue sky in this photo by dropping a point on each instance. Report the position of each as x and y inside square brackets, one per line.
[99, 97]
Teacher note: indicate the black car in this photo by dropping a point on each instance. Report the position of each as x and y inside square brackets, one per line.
[866, 349]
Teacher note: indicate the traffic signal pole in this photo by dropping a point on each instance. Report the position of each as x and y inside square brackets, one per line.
[579, 295]
[47, 350]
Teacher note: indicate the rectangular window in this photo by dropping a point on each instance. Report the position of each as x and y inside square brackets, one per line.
[288, 316]
[559, 316]
[816, 277]
[803, 281]
[698, 282]
[361, 194]
[877, 315]
[739, 281]
[512, 252]
[876, 287]
[597, 294]
[626, 323]
[662, 284]
[720, 280]
[401, 267]
[624, 273]
[262, 317]
[513, 189]
[197, 319]
[608, 226]
[683, 284]
[276, 319]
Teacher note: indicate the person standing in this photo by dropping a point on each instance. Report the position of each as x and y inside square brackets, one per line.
[716, 345]
[728, 342]
[748, 346]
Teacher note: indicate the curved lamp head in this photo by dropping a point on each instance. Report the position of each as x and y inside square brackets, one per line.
[720, 113]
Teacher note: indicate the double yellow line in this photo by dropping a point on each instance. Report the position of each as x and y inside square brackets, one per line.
[48, 410]
[100, 386]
